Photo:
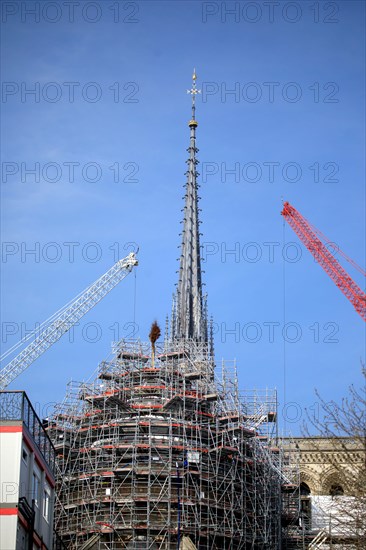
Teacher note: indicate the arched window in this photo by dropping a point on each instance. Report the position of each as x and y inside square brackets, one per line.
[336, 490]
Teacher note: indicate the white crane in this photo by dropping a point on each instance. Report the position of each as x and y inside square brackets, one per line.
[58, 324]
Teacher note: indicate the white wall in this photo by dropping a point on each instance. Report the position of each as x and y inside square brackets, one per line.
[10, 447]
[330, 513]
[8, 532]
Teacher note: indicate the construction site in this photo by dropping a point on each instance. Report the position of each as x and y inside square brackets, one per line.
[163, 450]
[161, 453]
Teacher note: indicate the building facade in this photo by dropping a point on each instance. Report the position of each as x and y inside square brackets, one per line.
[333, 493]
[27, 461]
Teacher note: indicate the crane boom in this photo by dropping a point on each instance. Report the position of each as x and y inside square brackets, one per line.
[322, 255]
[68, 316]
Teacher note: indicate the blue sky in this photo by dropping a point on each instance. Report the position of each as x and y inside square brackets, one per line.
[110, 90]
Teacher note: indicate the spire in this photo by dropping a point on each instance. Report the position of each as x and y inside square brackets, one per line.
[189, 315]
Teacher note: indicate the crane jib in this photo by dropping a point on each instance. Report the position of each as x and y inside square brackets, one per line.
[66, 318]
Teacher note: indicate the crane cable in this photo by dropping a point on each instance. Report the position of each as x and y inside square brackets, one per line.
[134, 302]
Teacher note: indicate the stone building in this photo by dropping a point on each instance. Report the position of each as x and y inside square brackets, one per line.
[332, 484]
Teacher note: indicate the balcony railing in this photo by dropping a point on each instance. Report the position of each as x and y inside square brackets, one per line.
[15, 406]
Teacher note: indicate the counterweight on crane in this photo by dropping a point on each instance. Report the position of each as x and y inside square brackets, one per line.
[59, 323]
[310, 237]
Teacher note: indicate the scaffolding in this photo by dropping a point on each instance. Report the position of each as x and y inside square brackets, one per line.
[161, 453]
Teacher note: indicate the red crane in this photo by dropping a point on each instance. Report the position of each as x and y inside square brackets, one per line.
[311, 238]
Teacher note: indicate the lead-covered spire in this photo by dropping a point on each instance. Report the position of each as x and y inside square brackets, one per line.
[189, 307]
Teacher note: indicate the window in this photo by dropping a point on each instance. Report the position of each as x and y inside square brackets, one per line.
[35, 489]
[25, 456]
[304, 489]
[46, 504]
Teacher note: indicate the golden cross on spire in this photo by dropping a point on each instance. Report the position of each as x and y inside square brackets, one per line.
[193, 92]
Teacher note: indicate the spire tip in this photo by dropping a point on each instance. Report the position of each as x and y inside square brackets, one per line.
[193, 92]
